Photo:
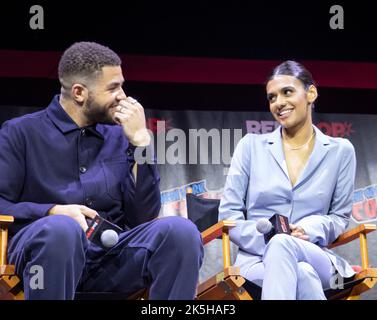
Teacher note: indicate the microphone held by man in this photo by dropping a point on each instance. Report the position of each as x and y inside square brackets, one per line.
[102, 232]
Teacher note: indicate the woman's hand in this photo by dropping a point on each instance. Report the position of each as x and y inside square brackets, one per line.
[298, 232]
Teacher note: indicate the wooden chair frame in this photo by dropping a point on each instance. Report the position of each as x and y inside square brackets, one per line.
[10, 288]
[228, 284]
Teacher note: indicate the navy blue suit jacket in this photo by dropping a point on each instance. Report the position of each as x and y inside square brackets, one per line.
[46, 159]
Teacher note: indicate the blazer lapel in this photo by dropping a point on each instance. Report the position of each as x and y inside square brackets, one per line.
[318, 154]
[274, 145]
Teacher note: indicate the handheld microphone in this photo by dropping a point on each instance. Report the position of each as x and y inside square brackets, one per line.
[275, 225]
[109, 238]
[102, 232]
[264, 225]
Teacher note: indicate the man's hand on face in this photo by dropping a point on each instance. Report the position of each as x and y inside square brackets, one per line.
[75, 211]
[130, 114]
[298, 232]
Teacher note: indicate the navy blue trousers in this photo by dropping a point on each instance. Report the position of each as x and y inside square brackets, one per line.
[163, 255]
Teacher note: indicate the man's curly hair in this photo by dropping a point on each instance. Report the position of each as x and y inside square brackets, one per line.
[85, 60]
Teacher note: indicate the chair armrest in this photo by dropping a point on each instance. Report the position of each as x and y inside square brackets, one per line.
[353, 234]
[220, 229]
[4, 222]
[216, 230]
[6, 219]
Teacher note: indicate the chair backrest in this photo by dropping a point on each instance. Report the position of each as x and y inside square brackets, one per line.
[201, 211]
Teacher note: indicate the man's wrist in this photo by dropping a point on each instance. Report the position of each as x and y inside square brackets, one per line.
[141, 138]
[52, 210]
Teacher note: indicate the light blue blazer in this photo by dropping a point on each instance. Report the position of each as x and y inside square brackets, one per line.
[258, 185]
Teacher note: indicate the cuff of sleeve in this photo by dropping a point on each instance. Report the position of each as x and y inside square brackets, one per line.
[40, 210]
[309, 230]
[30, 210]
[315, 233]
[49, 206]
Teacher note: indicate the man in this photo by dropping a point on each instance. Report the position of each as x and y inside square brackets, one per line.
[74, 160]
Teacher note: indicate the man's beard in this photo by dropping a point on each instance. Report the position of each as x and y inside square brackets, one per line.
[97, 113]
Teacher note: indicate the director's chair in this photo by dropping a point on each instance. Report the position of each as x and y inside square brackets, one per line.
[230, 285]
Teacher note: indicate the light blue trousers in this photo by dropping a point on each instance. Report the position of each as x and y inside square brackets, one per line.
[292, 269]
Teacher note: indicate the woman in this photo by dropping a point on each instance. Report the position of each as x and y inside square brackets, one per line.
[295, 171]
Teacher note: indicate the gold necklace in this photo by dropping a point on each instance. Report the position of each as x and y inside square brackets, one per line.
[299, 147]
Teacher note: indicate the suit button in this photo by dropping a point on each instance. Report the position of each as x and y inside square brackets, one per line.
[82, 169]
[89, 202]
[129, 152]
